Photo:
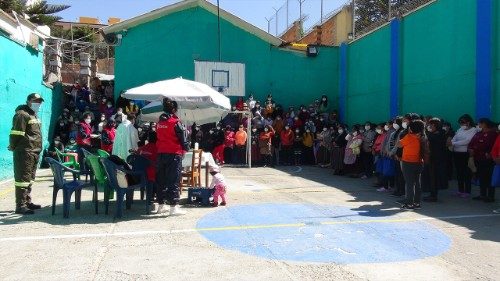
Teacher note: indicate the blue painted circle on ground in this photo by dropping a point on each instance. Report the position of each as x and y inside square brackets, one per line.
[316, 233]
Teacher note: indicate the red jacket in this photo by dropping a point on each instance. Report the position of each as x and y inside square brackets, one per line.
[108, 138]
[168, 141]
[229, 139]
[150, 152]
[287, 137]
[482, 143]
[377, 145]
[83, 135]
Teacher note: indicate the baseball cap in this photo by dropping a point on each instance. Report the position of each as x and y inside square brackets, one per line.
[35, 96]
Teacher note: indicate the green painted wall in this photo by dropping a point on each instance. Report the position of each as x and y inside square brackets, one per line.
[368, 78]
[496, 64]
[20, 75]
[167, 47]
[439, 60]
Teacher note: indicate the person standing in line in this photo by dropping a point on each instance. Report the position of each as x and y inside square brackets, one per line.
[108, 135]
[240, 140]
[480, 148]
[287, 136]
[25, 141]
[415, 153]
[460, 142]
[172, 143]
[437, 160]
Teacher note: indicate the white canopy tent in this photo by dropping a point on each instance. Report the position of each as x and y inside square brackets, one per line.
[197, 102]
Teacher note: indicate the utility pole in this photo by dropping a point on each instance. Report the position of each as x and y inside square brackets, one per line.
[72, 45]
[218, 29]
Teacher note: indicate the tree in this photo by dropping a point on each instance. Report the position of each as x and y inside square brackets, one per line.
[372, 12]
[40, 12]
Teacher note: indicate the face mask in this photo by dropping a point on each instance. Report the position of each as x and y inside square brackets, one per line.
[258, 106]
[278, 118]
[340, 132]
[367, 127]
[241, 129]
[297, 131]
[153, 129]
[463, 127]
[139, 129]
[405, 125]
[355, 134]
[119, 112]
[254, 130]
[361, 131]
[386, 127]
[324, 99]
[218, 128]
[103, 118]
[131, 104]
[395, 126]
[211, 132]
[88, 121]
[61, 124]
[269, 99]
[197, 128]
[479, 128]
[429, 128]
[308, 131]
[109, 105]
[57, 142]
[287, 128]
[379, 131]
[325, 129]
[266, 129]
[234, 108]
[296, 118]
[446, 129]
[303, 110]
[35, 106]
[321, 119]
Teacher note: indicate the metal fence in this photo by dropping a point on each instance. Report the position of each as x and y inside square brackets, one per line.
[369, 14]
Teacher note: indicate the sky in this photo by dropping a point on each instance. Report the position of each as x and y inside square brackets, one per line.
[253, 11]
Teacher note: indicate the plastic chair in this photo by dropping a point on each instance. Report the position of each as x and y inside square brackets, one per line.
[139, 164]
[102, 153]
[71, 163]
[111, 172]
[68, 187]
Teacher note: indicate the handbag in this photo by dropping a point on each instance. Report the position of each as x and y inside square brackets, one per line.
[495, 179]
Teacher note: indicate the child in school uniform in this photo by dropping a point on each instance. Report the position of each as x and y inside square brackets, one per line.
[219, 185]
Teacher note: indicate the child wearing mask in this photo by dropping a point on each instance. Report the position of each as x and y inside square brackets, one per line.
[255, 152]
[219, 186]
[377, 154]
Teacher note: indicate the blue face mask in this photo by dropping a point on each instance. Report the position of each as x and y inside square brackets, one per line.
[35, 106]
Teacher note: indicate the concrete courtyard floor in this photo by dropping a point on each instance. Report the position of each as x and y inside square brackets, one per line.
[140, 247]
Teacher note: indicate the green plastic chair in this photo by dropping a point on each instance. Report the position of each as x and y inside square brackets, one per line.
[102, 153]
[71, 163]
[99, 177]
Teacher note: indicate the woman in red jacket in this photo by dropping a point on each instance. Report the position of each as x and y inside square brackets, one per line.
[287, 137]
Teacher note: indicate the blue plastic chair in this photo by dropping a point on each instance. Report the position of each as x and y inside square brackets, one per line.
[111, 171]
[139, 164]
[68, 187]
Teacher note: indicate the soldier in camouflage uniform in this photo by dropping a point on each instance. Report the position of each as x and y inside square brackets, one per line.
[26, 145]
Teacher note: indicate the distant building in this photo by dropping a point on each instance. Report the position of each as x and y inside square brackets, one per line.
[332, 31]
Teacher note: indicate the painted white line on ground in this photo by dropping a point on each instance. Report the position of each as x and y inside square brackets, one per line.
[228, 228]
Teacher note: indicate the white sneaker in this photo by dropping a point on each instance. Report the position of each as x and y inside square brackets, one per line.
[176, 211]
[161, 209]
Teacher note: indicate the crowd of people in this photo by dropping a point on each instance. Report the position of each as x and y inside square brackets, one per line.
[406, 155]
